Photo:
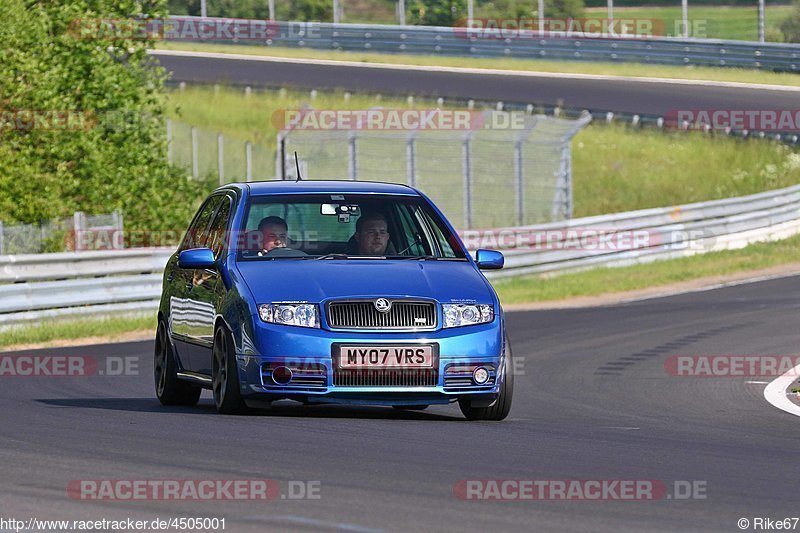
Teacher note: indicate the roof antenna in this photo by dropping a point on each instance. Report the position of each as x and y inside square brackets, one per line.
[297, 166]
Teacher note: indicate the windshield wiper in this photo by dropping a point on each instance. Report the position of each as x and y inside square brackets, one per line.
[418, 257]
[332, 256]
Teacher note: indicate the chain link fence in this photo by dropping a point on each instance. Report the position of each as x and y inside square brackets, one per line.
[209, 153]
[481, 178]
[79, 232]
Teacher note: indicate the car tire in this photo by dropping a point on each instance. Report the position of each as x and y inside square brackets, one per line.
[225, 375]
[410, 407]
[169, 389]
[502, 405]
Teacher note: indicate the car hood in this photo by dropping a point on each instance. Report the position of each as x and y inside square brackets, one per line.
[315, 281]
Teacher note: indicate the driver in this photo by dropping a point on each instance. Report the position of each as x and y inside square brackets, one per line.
[372, 234]
[273, 232]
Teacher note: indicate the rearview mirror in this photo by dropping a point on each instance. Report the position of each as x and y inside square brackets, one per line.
[489, 259]
[197, 258]
[339, 209]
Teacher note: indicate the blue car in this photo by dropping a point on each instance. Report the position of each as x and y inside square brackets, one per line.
[330, 292]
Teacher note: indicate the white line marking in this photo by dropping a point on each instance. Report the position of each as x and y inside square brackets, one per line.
[757, 382]
[465, 70]
[775, 392]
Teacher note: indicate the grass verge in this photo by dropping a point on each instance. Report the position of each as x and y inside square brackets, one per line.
[76, 329]
[707, 22]
[636, 70]
[540, 288]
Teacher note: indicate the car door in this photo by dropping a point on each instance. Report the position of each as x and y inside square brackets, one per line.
[185, 315]
[208, 290]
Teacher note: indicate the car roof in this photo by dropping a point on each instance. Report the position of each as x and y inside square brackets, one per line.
[260, 188]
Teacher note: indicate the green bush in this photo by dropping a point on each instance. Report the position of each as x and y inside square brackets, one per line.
[306, 10]
[113, 154]
[437, 12]
[790, 27]
[563, 9]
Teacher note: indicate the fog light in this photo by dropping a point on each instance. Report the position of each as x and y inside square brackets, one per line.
[282, 375]
[480, 375]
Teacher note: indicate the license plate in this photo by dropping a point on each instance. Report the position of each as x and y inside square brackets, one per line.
[416, 356]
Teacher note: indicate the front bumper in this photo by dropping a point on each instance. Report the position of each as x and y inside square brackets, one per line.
[309, 354]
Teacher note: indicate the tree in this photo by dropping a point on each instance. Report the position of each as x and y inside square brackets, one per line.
[57, 61]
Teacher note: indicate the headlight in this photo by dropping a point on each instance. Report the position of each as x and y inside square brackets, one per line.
[466, 315]
[304, 315]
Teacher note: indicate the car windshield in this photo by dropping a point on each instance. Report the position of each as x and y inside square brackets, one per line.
[345, 226]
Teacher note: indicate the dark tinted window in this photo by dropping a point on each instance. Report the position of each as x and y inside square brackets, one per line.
[197, 235]
[216, 240]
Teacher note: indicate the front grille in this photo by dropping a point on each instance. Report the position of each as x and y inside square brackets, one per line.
[363, 315]
[422, 377]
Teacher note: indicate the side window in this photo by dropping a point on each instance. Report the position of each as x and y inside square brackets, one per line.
[198, 232]
[410, 231]
[439, 233]
[216, 239]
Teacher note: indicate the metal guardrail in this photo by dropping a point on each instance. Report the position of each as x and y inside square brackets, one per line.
[663, 233]
[43, 286]
[525, 44]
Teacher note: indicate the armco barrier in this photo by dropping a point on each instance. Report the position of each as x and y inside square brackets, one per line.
[438, 40]
[43, 286]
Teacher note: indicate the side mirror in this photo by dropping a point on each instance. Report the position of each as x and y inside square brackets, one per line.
[197, 258]
[489, 259]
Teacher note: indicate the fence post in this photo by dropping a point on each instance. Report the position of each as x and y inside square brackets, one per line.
[248, 159]
[540, 13]
[519, 183]
[411, 160]
[169, 141]
[119, 224]
[195, 173]
[280, 158]
[351, 156]
[567, 155]
[562, 203]
[467, 164]
[42, 236]
[220, 160]
[78, 219]
[1, 237]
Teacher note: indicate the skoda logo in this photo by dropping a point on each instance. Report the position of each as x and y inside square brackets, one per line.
[383, 305]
